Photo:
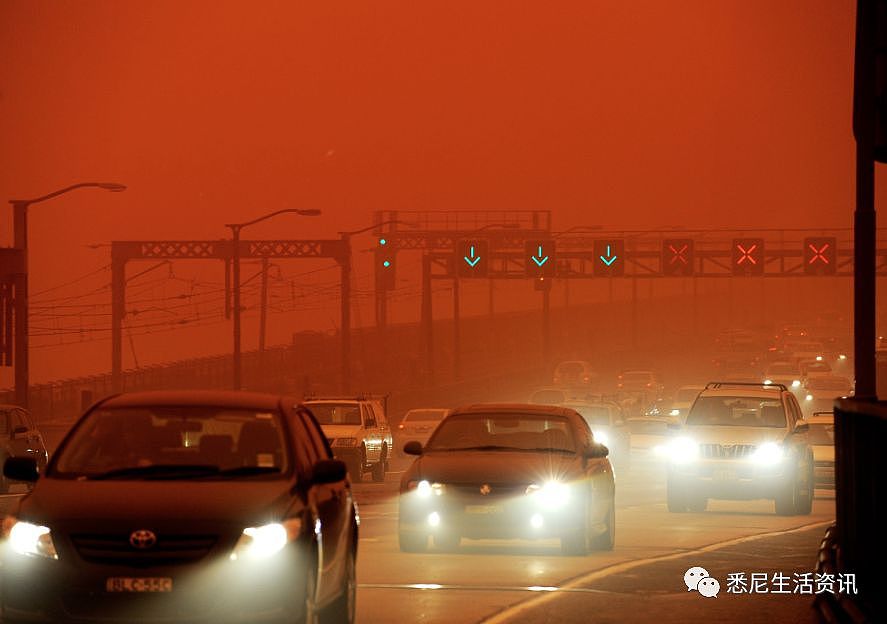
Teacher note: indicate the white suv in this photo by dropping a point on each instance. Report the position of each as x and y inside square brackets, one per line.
[358, 432]
[742, 442]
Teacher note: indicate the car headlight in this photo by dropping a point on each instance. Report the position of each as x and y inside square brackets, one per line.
[602, 438]
[425, 488]
[809, 397]
[768, 382]
[675, 412]
[33, 540]
[682, 450]
[796, 383]
[551, 495]
[344, 442]
[768, 453]
[267, 540]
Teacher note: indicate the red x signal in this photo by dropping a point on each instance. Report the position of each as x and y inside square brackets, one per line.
[678, 254]
[819, 254]
[746, 254]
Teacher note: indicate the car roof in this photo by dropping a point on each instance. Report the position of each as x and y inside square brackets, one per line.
[196, 398]
[736, 390]
[517, 408]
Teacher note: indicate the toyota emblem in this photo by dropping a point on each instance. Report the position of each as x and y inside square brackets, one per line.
[142, 539]
[485, 489]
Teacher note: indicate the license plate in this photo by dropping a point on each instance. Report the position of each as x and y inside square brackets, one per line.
[481, 509]
[724, 475]
[138, 584]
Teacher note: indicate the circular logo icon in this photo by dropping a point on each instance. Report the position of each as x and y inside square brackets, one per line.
[142, 539]
[485, 489]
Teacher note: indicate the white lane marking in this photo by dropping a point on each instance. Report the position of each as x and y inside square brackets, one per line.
[526, 605]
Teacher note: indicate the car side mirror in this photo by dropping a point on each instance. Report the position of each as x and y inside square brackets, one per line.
[801, 428]
[19, 430]
[413, 447]
[329, 471]
[21, 469]
[596, 451]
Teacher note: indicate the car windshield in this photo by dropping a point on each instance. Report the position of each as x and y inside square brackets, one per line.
[570, 368]
[174, 442]
[594, 414]
[651, 427]
[506, 432]
[736, 411]
[336, 413]
[828, 383]
[424, 416]
[821, 434]
[548, 397]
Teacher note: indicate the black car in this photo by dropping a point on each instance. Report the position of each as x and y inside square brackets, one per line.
[184, 507]
[508, 471]
[19, 437]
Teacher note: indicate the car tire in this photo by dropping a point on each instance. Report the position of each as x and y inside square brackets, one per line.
[378, 472]
[607, 539]
[343, 608]
[676, 497]
[697, 504]
[412, 541]
[358, 466]
[447, 541]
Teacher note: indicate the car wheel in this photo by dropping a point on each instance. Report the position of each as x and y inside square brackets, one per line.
[447, 541]
[411, 541]
[676, 497]
[379, 468]
[343, 609]
[804, 502]
[607, 539]
[356, 468]
[697, 504]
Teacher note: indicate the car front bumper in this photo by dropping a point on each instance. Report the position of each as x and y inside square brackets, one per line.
[219, 590]
[734, 480]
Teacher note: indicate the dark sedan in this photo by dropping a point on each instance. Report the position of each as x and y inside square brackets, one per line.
[183, 507]
[511, 472]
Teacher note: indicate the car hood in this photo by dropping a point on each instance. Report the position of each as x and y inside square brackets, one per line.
[341, 431]
[243, 502]
[733, 435]
[494, 467]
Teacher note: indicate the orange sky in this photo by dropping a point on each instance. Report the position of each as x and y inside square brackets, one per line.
[629, 114]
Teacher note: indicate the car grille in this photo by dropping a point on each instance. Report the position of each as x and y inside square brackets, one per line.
[726, 451]
[498, 491]
[169, 550]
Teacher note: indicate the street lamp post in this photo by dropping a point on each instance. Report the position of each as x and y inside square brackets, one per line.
[235, 267]
[20, 243]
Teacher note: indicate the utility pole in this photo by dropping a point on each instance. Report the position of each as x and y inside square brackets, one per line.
[427, 320]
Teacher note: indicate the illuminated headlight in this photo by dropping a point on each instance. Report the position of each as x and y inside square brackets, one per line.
[675, 412]
[344, 442]
[266, 541]
[819, 358]
[796, 383]
[602, 438]
[768, 382]
[768, 453]
[29, 539]
[682, 450]
[425, 488]
[809, 397]
[842, 357]
[551, 495]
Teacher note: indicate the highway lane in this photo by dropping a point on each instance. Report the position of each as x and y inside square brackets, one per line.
[487, 577]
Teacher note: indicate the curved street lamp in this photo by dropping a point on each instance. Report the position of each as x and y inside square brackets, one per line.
[235, 258]
[20, 244]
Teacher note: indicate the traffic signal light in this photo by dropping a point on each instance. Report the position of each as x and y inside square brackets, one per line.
[677, 256]
[472, 258]
[539, 258]
[609, 258]
[748, 256]
[385, 275]
[820, 255]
